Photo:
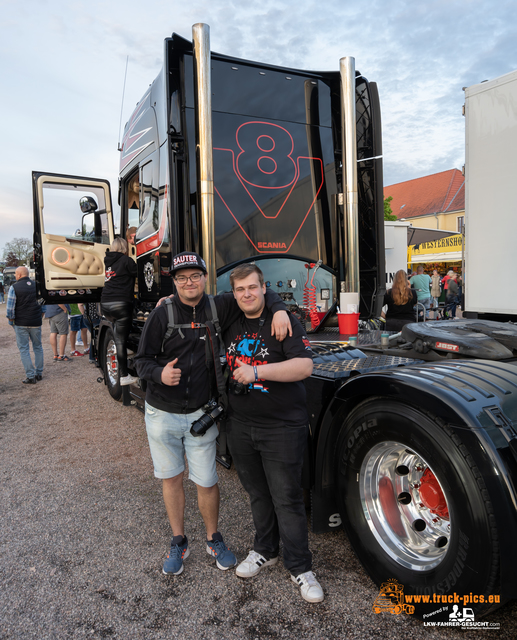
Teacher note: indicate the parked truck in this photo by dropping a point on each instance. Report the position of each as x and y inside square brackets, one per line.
[243, 161]
[491, 199]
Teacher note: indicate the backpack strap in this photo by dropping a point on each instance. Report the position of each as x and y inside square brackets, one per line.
[171, 325]
[211, 312]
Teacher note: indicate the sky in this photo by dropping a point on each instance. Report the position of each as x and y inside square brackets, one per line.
[63, 64]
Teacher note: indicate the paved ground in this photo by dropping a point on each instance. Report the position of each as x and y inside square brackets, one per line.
[83, 533]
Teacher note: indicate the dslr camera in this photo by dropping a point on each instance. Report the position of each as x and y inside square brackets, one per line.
[213, 410]
[238, 388]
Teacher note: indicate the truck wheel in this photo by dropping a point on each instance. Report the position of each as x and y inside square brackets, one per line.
[415, 506]
[111, 370]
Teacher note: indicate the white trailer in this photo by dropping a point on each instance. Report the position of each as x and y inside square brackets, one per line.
[395, 246]
[491, 199]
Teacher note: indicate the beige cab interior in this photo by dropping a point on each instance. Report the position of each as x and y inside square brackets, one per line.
[73, 244]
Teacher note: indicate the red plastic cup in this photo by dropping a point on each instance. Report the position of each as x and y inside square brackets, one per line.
[348, 323]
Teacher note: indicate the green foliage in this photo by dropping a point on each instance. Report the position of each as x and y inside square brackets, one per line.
[388, 214]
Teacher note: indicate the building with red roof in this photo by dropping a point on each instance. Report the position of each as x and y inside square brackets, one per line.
[433, 202]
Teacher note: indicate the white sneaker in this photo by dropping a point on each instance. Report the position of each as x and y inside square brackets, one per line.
[128, 380]
[253, 564]
[310, 588]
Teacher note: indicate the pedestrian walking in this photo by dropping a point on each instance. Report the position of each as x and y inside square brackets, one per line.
[25, 315]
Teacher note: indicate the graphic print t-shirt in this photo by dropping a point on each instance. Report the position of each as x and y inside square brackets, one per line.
[267, 403]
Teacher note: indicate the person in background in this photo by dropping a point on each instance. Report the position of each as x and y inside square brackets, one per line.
[446, 278]
[422, 284]
[1, 292]
[451, 302]
[436, 289]
[77, 323]
[117, 301]
[25, 315]
[57, 315]
[401, 299]
[131, 234]
[92, 320]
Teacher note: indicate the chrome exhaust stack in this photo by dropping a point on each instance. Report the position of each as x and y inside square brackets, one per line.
[349, 161]
[203, 87]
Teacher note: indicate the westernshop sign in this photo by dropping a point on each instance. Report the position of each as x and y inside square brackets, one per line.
[443, 250]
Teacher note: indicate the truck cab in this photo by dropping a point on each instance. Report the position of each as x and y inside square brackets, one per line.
[242, 161]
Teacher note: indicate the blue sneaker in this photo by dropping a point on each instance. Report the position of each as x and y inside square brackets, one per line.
[173, 564]
[225, 559]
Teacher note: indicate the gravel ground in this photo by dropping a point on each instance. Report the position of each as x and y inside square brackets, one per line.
[84, 532]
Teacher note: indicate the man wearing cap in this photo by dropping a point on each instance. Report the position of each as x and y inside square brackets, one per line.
[179, 384]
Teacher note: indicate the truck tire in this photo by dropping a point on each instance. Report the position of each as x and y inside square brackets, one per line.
[415, 506]
[111, 369]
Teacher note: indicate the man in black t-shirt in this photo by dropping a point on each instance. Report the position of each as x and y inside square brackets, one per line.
[268, 429]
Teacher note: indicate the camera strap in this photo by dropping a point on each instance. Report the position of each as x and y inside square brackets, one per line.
[215, 362]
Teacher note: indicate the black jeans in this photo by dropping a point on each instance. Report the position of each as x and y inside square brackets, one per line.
[121, 314]
[269, 462]
[451, 302]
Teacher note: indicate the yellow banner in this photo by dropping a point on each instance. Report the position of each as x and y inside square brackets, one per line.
[443, 245]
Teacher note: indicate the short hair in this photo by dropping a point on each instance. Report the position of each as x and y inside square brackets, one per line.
[420, 269]
[119, 245]
[243, 271]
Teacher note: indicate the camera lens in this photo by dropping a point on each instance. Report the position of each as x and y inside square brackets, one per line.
[212, 411]
[201, 426]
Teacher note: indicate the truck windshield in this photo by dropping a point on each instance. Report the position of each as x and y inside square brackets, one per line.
[288, 278]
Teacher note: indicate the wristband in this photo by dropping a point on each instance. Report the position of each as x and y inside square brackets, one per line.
[256, 374]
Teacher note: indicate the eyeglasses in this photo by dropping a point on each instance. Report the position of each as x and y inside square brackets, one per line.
[195, 277]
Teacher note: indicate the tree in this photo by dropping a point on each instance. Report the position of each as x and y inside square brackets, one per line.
[21, 249]
[11, 260]
[388, 213]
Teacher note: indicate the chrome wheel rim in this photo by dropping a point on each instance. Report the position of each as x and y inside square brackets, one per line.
[112, 363]
[405, 506]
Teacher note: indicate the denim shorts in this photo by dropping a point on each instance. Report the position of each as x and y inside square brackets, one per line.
[77, 323]
[170, 441]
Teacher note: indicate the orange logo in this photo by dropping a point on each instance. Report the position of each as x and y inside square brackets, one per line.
[391, 599]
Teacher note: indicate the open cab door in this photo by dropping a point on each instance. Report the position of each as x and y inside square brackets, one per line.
[73, 229]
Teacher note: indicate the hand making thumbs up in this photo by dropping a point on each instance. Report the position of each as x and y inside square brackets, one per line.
[170, 375]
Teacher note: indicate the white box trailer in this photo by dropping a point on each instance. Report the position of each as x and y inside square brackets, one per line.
[398, 236]
[491, 198]
[395, 246]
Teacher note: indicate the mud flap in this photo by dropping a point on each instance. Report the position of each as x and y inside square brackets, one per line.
[324, 514]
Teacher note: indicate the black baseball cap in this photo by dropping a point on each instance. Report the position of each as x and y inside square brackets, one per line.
[188, 260]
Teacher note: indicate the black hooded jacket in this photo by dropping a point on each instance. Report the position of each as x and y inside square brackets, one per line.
[120, 272]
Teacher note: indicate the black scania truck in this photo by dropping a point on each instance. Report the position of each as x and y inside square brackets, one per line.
[412, 448]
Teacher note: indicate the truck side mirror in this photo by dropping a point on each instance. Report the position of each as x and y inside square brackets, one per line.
[88, 204]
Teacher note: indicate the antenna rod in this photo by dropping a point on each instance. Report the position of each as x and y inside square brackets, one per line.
[122, 106]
